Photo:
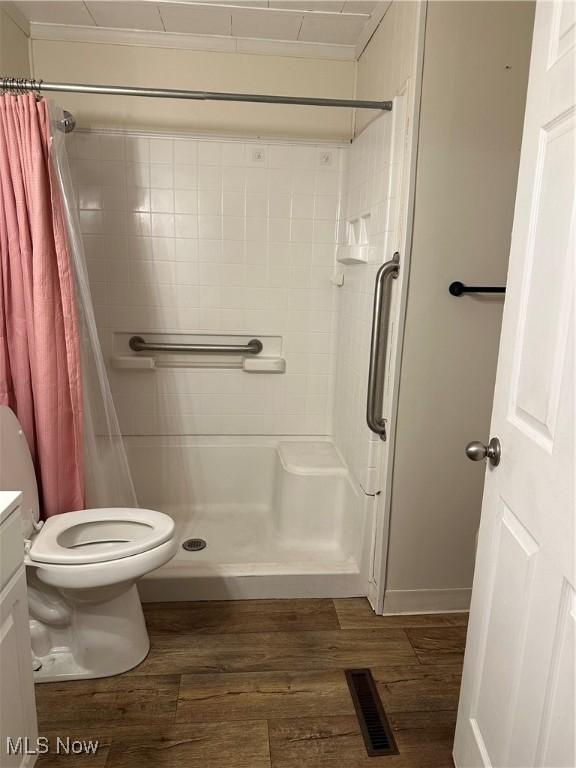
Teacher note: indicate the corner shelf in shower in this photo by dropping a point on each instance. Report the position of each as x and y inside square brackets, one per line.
[356, 249]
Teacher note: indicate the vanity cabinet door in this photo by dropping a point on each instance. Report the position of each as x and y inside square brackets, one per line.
[17, 703]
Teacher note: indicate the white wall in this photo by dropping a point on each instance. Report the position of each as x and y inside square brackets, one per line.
[474, 85]
[214, 237]
[198, 70]
[14, 59]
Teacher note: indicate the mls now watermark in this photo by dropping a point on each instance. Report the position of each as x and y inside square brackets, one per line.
[23, 745]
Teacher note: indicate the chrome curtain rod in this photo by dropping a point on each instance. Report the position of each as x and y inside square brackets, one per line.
[20, 85]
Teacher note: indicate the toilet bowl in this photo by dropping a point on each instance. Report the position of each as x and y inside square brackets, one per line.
[86, 619]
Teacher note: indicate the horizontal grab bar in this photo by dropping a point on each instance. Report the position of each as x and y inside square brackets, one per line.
[254, 347]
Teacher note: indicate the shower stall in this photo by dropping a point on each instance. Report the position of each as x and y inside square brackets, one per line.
[236, 318]
[234, 283]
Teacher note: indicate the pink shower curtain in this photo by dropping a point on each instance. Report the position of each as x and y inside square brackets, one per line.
[40, 377]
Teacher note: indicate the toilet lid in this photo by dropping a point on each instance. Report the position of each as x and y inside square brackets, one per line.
[16, 468]
[100, 535]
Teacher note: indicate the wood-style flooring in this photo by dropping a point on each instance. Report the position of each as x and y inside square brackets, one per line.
[260, 684]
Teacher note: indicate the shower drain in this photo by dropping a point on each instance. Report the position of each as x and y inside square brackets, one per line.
[193, 545]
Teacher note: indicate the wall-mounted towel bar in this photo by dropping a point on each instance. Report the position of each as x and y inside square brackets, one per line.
[254, 347]
[458, 289]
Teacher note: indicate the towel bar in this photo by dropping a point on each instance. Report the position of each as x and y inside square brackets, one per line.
[457, 288]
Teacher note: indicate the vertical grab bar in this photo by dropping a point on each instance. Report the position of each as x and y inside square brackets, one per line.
[378, 344]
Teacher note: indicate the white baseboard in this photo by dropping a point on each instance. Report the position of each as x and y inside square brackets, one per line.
[426, 600]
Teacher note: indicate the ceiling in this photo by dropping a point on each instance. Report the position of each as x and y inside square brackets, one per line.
[324, 22]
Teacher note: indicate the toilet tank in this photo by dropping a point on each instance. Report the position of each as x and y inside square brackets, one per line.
[16, 467]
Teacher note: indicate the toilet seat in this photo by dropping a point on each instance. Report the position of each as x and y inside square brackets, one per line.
[99, 535]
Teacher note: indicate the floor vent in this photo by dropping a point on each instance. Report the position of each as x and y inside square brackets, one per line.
[374, 724]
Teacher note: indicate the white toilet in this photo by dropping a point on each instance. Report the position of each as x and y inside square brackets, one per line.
[85, 614]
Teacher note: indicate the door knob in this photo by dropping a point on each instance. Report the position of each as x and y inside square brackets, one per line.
[477, 451]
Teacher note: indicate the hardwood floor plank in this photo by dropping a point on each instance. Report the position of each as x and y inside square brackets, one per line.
[438, 645]
[111, 700]
[231, 617]
[425, 739]
[201, 745]
[151, 730]
[356, 613]
[55, 759]
[419, 689]
[336, 742]
[319, 742]
[263, 695]
[277, 651]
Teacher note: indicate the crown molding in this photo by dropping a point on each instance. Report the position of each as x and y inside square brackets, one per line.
[188, 42]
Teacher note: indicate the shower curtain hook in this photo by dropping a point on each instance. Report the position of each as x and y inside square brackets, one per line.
[10, 85]
[36, 85]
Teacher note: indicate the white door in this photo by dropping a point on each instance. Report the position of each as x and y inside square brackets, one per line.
[518, 689]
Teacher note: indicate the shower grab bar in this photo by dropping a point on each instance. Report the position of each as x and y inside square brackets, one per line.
[254, 347]
[378, 344]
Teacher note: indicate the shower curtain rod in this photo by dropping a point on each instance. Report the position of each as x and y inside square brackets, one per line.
[20, 85]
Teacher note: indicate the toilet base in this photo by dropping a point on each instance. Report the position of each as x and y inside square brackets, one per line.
[97, 639]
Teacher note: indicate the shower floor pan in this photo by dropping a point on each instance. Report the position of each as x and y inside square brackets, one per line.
[295, 528]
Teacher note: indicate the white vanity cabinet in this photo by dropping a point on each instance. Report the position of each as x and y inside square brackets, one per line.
[17, 703]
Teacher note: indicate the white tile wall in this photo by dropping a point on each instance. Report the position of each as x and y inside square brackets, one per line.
[214, 236]
[370, 186]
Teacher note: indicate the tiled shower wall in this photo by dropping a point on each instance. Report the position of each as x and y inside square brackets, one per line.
[214, 237]
[370, 187]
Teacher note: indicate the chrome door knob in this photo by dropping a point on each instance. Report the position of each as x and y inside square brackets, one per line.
[477, 451]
